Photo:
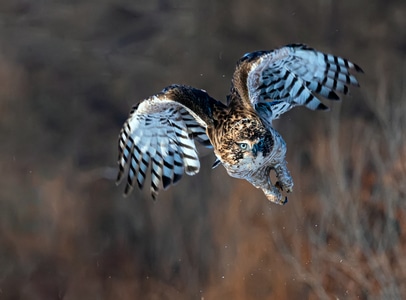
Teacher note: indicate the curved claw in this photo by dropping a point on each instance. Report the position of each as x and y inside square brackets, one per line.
[278, 184]
[273, 192]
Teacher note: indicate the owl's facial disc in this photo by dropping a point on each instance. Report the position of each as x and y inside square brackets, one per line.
[251, 147]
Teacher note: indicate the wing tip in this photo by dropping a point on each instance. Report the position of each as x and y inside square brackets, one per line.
[177, 177]
[358, 68]
[191, 170]
[322, 107]
[166, 181]
[333, 96]
[127, 190]
[154, 194]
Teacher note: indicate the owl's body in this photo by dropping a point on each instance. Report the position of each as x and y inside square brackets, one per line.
[161, 130]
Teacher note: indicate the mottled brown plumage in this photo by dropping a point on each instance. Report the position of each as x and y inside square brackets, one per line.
[161, 130]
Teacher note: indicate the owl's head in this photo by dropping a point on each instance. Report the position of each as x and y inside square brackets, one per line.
[245, 140]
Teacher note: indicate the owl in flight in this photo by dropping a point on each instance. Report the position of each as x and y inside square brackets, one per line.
[161, 131]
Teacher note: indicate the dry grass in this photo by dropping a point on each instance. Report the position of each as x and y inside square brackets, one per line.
[69, 73]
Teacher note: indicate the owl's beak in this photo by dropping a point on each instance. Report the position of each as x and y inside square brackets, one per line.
[255, 150]
[258, 147]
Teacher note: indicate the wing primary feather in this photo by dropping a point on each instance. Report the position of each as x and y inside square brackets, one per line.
[156, 174]
[358, 68]
[123, 151]
[159, 137]
[294, 74]
[142, 170]
[315, 104]
[124, 157]
[178, 167]
[167, 174]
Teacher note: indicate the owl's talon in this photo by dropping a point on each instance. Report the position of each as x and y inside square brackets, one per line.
[274, 195]
[278, 184]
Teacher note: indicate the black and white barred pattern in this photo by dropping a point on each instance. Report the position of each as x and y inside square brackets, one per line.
[159, 133]
[293, 75]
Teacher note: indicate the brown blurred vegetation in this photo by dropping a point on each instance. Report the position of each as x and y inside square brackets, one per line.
[69, 73]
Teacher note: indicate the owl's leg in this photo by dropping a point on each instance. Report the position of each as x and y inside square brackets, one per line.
[274, 194]
[285, 181]
[262, 180]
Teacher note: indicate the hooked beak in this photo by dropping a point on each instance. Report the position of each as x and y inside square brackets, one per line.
[258, 147]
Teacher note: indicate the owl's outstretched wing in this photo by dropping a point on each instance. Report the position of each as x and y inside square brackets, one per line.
[160, 133]
[293, 75]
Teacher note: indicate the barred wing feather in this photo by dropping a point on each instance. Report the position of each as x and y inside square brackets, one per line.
[159, 134]
[292, 75]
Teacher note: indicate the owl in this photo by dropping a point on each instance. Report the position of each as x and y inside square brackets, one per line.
[161, 132]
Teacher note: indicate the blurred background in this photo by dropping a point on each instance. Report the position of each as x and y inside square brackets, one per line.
[70, 72]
